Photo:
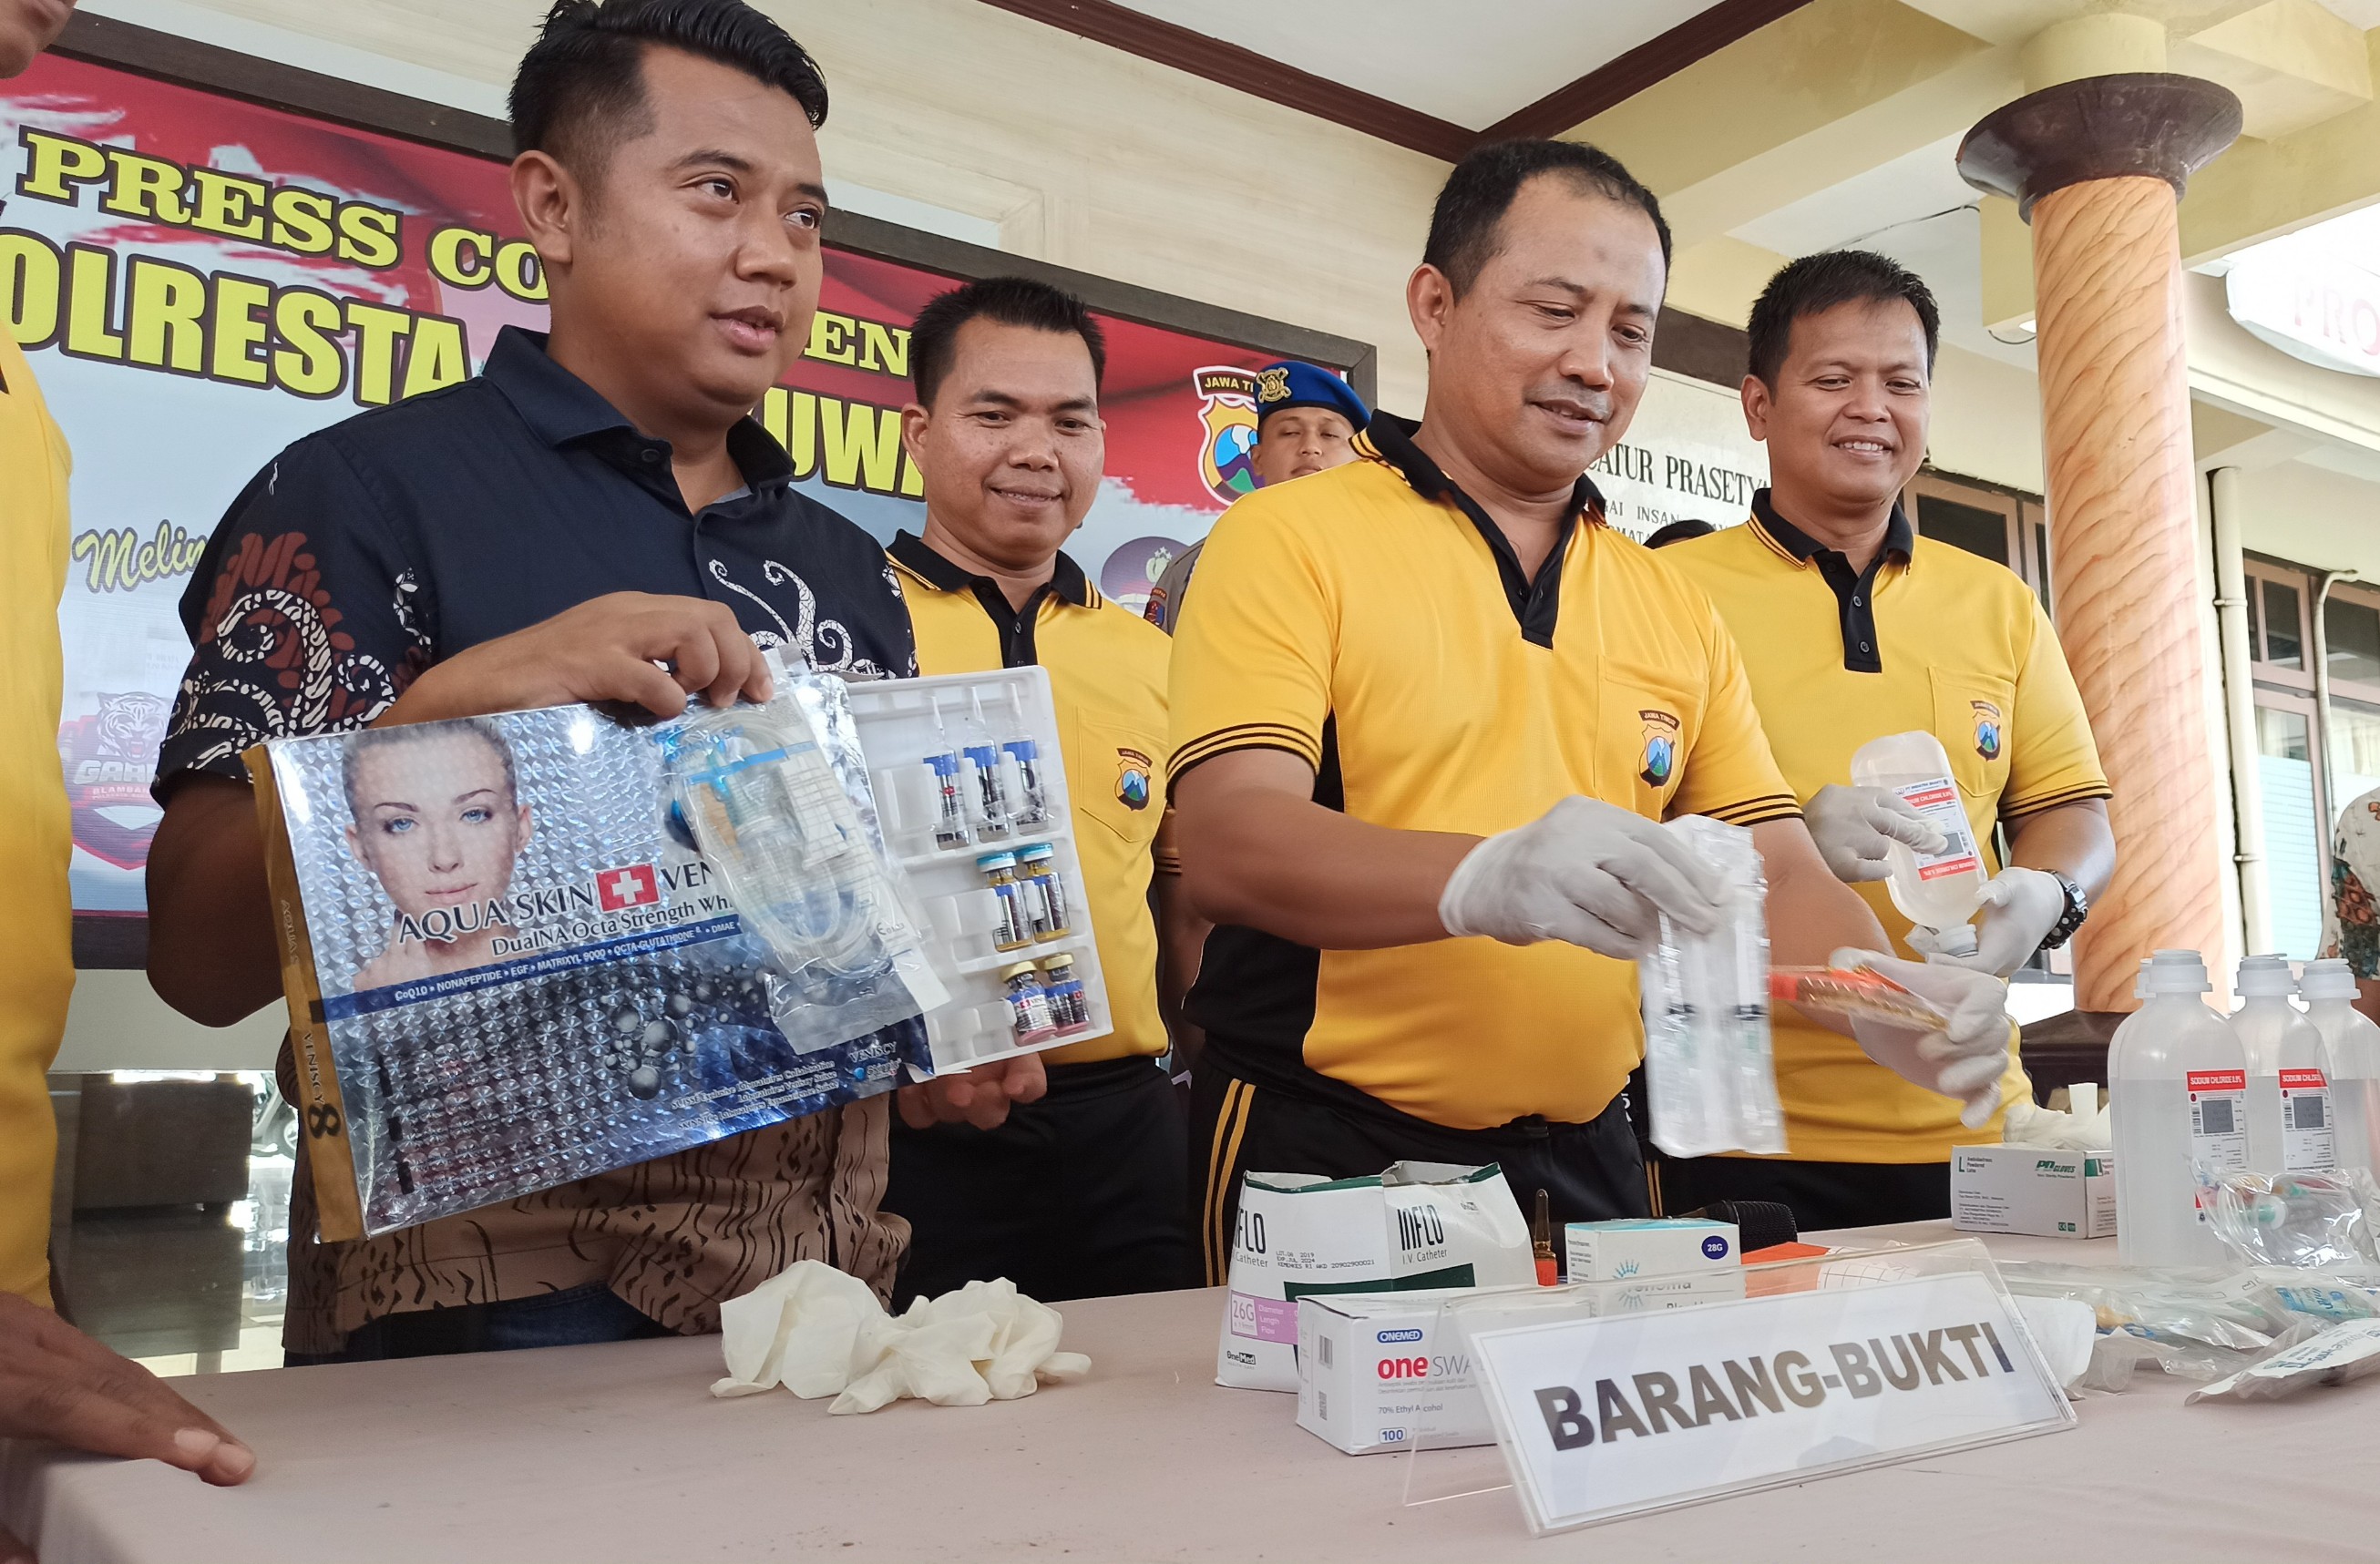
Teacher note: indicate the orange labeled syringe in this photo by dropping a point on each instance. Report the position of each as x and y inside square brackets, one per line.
[1858, 993]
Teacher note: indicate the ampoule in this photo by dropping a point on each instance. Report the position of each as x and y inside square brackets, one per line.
[950, 802]
[992, 814]
[1022, 755]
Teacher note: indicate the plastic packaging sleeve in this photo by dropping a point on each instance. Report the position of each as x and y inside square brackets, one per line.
[1709, 1068]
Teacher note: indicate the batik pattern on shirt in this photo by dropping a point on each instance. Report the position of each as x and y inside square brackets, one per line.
[367, 553]
[2350, 920]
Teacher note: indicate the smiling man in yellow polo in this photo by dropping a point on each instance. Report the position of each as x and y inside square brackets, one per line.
[1080, 1193]
[1853, 627]
[1429, 711]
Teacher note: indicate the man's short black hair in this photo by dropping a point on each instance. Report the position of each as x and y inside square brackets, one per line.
[1816, 283]
[1481, 189]
[1009, 301]
[581, 89]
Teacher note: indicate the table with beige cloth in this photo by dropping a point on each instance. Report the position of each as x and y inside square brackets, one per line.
[619, 1452]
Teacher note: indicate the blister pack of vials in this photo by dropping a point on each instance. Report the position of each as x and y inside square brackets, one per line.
[972, 795]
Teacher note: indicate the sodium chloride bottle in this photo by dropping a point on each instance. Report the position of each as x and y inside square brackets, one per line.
[2288, 1098]
[2350, 1044]
[1938, 891]
[2177, 1094]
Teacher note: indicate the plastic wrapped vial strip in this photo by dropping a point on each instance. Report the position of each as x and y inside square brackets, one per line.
[766, 793]
[1710, 1071]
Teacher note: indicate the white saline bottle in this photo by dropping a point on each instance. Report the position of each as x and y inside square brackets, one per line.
[2177, 1093]
[1936, 891]
[2350, 1044]
[2288, 1098]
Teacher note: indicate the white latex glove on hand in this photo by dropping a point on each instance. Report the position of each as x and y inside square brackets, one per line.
[2020, 907]
[1854, 826]
[1586, 872]
[1966, 1056]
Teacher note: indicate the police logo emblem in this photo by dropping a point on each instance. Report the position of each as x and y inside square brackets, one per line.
[1272, 385]
[1226, 416]
[1660, 761]
[1132, 778]
[1987, 729]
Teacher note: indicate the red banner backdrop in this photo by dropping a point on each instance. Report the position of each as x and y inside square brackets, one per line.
[201, 280]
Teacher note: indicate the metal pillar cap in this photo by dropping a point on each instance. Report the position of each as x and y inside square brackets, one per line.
[2143, 123]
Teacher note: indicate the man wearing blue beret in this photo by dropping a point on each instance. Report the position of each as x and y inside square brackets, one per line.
[1307, 419]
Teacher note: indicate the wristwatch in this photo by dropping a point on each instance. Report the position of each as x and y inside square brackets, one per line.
[2078, 907]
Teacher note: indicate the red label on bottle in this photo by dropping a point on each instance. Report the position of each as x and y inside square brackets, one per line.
[2303, 1081]
[2218, 1080]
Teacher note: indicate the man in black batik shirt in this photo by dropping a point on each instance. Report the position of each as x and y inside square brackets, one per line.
[595, 517]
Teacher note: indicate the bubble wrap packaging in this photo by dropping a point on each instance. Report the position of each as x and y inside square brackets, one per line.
[508, 968]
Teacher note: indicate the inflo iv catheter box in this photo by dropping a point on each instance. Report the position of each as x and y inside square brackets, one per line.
[1415, 1227]
[2030, 1190]
[524, 949]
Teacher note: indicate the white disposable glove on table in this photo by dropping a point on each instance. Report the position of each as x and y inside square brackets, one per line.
[2020, 907]
[1587, 872]
[1854, 826]
[819, 1332]
[1966, 1056]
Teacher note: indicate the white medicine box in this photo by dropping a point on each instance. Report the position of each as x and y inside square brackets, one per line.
[1387, 1371]
[1373, 1376]
[2031, 1189]
[964, 768]
[1648, 1246]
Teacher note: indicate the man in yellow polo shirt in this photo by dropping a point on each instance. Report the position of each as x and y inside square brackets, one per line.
[1852, 628]
[56, 1383]
[1429, 697]
[36, 915]
[1081, 1193]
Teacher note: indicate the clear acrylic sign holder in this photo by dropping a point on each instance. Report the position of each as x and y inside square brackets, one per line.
[966, 766]
[1438, 1468]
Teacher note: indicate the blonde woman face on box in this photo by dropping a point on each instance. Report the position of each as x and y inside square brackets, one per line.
[437, 820]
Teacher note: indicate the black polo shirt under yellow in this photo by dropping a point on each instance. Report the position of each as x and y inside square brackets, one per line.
[1956, 646]
[1107, 678]
[1372, 621]
[1854, 589]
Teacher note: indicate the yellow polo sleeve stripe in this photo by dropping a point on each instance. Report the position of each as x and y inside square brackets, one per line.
[1253, 665]
[1732, 775]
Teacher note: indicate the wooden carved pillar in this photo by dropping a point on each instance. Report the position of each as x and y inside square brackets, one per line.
[2098, 165]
